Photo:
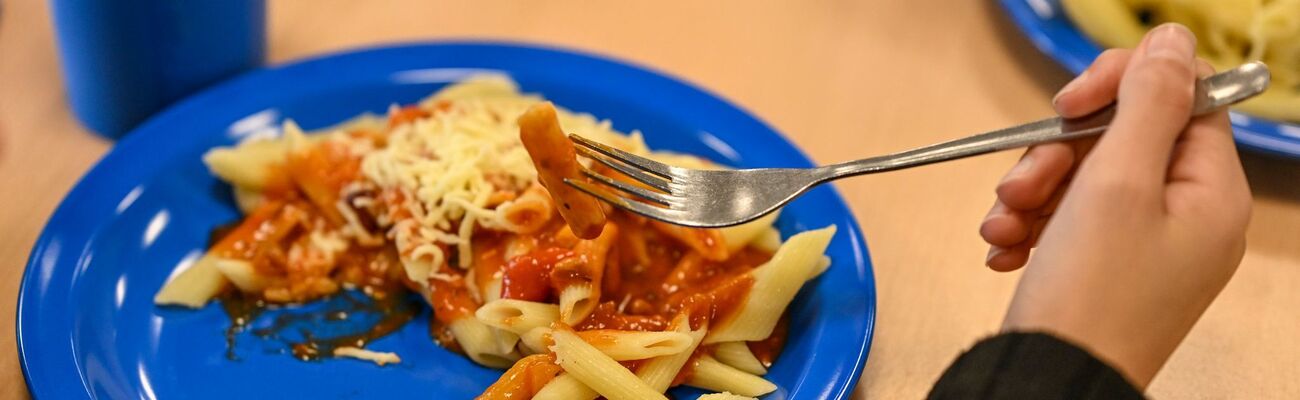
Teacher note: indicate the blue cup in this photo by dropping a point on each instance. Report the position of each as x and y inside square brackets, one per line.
[124, 60]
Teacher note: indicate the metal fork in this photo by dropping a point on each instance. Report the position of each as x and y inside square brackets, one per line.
[719, 198]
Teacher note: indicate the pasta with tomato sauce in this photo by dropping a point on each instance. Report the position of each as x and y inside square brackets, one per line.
[460, 198]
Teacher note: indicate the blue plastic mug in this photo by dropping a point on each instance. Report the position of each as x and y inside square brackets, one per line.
[124, 60]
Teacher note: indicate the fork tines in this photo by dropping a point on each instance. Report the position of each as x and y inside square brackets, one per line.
[652, 174]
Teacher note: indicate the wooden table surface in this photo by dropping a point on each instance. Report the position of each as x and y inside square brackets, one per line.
[843, 79]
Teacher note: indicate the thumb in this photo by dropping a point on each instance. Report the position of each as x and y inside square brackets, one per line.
[1154, 106]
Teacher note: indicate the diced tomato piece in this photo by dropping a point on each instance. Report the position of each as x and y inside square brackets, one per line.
[527, 277]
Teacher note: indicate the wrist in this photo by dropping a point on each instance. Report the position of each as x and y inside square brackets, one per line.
[1137, 354]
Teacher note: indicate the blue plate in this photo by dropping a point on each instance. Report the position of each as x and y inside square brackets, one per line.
[1045, 23]
[87, 326]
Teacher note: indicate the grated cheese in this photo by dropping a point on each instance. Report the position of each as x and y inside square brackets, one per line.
[377, 357]
[448, 165]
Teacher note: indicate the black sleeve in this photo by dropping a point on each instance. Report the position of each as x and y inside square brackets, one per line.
[1030, 366]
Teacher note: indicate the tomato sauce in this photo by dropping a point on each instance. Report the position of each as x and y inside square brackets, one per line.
[599, 337]
[688, 369]
[647, 295]
[239, 242]
[298, 201]
[489, 260]
[314, 340]
[528, 277]
[442, 336]
[375, 271]
[321, 172]
[766, 350]
[451, 300]
[524, 379]
[570, 273]
[716, 305]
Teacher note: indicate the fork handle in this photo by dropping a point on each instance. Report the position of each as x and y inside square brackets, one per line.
[1212, 93]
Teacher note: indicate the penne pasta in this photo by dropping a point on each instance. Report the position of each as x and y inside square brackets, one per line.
[580, 281]
[725, 396]
[769, 240]
[506, 341]
[737, 354]
[709, 374]
[619, 345]
[293, 137]
[193, 287]
[525, 379]
[556, 160]
[659, 372]
[251, 165]
[247, 199]
[598, 371]
[739, 236]
[688, 266]
[419, 269]
[481, 343]
[708, 242]
[631, 244]
[517, 316]
[528, 213]
[565, 237]
[241, 273]
[462, 200]
[775, 284]
[492, 292]
[577, 301]
[518, 245]
[821, 266]
[310, 171]
[566, 387]
[537, 340]
[636, 345]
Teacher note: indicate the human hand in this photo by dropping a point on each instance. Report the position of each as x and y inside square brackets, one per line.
[1151, 220]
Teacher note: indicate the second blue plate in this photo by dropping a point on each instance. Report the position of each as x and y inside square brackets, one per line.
[1047, 26]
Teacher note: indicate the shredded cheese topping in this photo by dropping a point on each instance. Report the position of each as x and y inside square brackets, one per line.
[377, 357]
[447, 166]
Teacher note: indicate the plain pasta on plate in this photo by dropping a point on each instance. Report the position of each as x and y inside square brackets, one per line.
[775, 284]
[597, 370]
[1229, 33]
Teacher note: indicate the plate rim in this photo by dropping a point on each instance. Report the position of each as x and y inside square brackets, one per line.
[82, 188]
[1254, 133]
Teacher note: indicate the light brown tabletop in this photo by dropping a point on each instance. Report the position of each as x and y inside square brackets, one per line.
[843, 79]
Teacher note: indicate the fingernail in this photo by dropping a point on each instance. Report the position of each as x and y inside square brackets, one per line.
[1020, 169]
[1074, 84]
[993, 252]
[1172, 41]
